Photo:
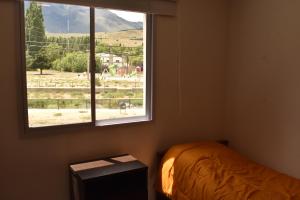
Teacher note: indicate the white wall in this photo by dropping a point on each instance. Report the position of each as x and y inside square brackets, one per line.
[188, 105]
[263, 82]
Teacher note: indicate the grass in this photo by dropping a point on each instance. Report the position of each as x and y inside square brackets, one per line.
[57, 114]
[84, 95]
[55, 79]
[72, 90]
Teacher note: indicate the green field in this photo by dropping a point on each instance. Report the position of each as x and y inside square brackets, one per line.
[72, 90]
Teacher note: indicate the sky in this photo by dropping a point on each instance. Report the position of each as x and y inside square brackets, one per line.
[129, 16]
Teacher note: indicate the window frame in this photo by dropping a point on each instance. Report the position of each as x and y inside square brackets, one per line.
[94, 123]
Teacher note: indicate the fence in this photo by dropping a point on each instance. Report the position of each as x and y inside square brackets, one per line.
[82, 84]
[86, 89]
[112, 103]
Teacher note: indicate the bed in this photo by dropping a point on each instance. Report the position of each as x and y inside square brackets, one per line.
[212, 171]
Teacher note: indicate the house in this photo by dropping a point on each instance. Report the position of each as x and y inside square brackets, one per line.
[110, 59]
[222, 69]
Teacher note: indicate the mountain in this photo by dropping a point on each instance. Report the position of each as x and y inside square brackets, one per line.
[59, 18]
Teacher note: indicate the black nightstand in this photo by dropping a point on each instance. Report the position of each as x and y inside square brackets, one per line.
[114, 178]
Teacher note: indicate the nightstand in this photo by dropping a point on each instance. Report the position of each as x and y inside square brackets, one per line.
[113, 178]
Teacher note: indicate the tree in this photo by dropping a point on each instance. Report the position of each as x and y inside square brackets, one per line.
[34, 28]
[137, 61]
[41, 61]
[54, 51]
[29, 61]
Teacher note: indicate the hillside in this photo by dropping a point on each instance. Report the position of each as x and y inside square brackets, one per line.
[128, 38]
[59, 18]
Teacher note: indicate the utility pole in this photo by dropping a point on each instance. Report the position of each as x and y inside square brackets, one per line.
[68, 26]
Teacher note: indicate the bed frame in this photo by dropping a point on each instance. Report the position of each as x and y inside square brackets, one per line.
[160, 155]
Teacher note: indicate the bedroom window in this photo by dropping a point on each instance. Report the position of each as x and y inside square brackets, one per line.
[81, 65]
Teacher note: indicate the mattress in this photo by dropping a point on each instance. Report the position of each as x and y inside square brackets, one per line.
[211, 171]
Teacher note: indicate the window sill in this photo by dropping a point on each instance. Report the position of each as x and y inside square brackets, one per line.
[129, 120]
[89, 126]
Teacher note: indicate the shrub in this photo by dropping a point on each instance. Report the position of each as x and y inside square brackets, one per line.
[72, 62]
[98, 82]
[99, 67]
[113, 69]
[75, 62]
[37, 104]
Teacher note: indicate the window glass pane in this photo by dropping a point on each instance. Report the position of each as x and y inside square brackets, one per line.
[121, 69]
[57, 44]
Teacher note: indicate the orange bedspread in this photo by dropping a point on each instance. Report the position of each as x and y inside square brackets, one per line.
[211, 171]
